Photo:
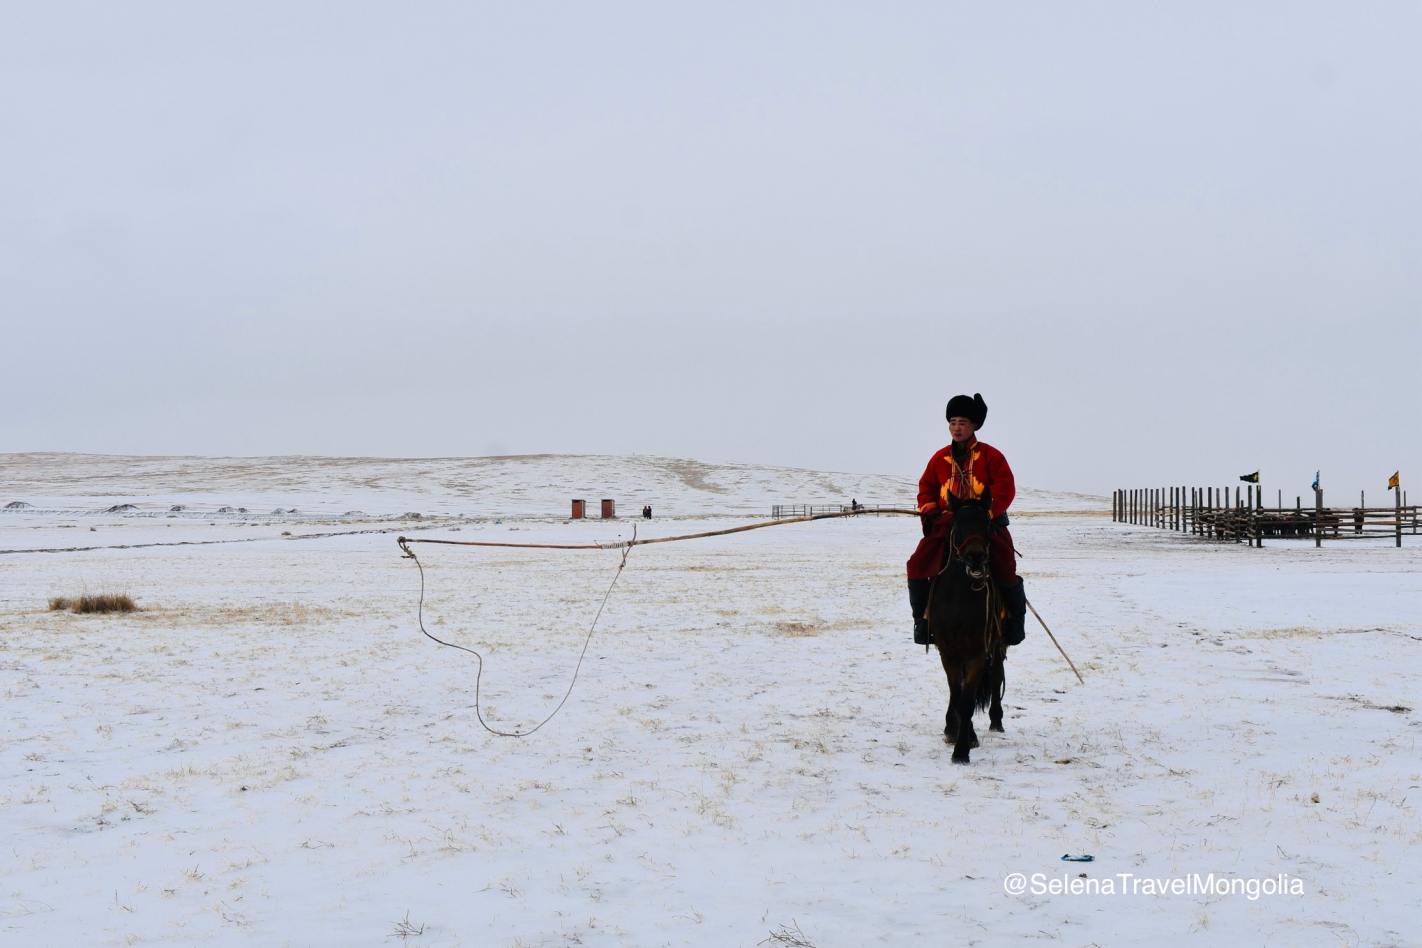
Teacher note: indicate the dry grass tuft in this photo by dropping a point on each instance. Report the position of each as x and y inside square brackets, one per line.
[405, 929]
[103, 602]
[789, 935]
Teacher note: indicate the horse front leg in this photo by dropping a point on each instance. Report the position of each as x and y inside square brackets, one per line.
[964, 702]
[954, 673]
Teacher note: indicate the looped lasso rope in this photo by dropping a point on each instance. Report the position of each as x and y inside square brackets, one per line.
[616, 544]
[479, 673]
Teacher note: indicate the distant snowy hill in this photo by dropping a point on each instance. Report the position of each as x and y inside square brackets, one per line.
[539, 485]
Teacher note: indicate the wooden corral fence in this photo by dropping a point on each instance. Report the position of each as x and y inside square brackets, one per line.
[1211, 514]
[790, 511]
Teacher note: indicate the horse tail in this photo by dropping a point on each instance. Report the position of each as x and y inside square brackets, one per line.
[990, 683]
[987, 686]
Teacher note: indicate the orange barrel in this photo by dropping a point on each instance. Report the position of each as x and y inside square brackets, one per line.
[578, 510]
[609, 509]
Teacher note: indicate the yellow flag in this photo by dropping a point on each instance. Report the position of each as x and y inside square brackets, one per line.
[1394, 481]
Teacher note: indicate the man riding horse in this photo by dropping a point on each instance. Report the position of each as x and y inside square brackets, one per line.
[966, 469]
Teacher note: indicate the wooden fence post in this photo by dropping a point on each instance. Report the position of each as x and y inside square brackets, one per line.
[1252, 525]
[1397, 506]
[1259, 518]
[1239, 509]
[1317, 517]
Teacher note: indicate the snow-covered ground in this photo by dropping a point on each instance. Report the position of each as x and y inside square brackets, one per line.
[270, 753]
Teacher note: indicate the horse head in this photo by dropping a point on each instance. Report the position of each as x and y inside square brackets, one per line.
[972, 521]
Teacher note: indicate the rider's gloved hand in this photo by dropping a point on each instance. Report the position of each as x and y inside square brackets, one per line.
[929, 519]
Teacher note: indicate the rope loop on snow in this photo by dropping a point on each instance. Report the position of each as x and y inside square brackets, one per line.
[479, 673]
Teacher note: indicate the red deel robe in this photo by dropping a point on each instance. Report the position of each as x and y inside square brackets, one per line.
[986, 470]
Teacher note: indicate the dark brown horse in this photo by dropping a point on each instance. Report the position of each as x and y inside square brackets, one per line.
[965, 621]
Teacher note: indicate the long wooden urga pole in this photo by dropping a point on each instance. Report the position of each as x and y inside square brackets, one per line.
[1057, 644]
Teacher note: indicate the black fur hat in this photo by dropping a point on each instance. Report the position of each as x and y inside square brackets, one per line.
[974, 409]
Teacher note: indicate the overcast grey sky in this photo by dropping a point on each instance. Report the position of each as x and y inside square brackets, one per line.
[1167, 243]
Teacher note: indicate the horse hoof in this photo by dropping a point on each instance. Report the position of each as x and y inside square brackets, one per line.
[975, 742]
[997, 726]
[960, 758]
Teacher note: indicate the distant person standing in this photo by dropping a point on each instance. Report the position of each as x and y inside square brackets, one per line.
[647, 512]
[966, 468]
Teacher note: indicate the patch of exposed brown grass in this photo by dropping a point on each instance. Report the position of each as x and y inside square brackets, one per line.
[263, 613]
[93, 603]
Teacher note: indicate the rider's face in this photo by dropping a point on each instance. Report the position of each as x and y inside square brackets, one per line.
[961, 428]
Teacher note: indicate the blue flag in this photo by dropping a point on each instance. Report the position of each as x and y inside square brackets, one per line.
[1315, 480]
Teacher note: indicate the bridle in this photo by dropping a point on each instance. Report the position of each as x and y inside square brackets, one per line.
[977, 567]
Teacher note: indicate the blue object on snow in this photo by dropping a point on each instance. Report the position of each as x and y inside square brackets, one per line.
[1071, 858]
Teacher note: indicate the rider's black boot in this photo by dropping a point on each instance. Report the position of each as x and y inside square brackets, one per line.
[918, 600]
[1014, 627]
